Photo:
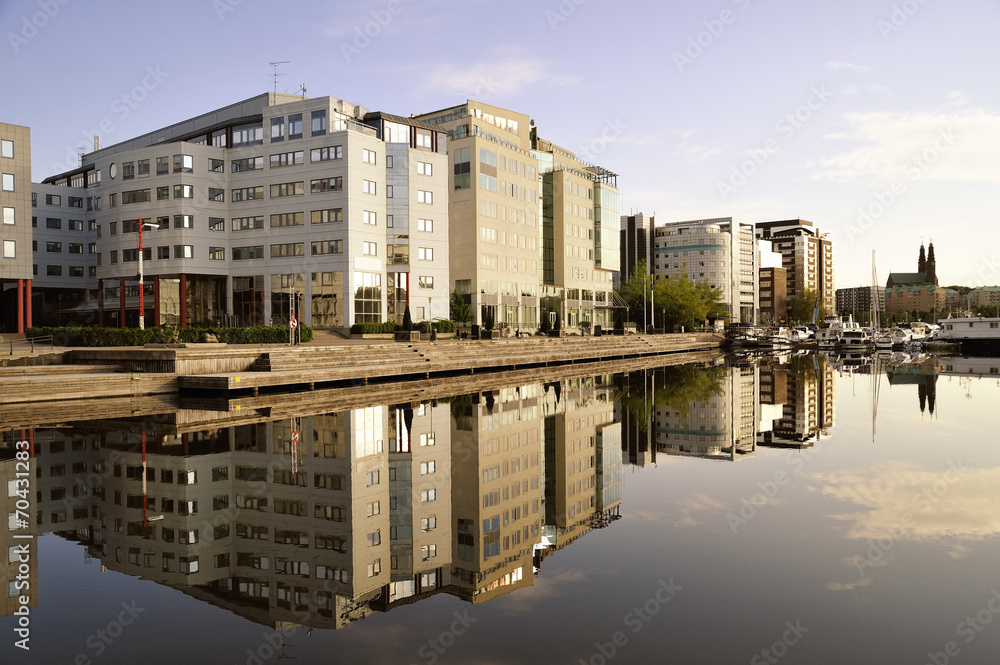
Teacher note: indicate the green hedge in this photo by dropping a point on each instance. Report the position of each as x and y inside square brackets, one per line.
[136, 337]
[371, 328]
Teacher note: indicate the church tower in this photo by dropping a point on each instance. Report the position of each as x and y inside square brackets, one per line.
[931, 265]
[922, 261]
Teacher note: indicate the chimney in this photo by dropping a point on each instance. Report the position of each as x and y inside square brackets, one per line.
[97, 142]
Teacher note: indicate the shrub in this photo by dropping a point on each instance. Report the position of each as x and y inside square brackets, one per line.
[383, 328]
[135, 337]
[444, 326]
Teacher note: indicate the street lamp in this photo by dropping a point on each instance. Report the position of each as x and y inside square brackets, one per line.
[142, 306]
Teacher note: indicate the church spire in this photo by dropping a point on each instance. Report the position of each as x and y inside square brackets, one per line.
[922, 261]
[931, 265]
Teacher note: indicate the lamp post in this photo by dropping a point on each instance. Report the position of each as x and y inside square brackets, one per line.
[142, 287]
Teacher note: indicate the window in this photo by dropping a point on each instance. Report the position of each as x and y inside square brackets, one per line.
[53, 271]
[128, 170]
[75, 225]
[425, 253]
[217, 253]
[427, 439]
[53, 247]
[326, 154]
[7, 149]
[327, 216]
[428, 551]
[318, 122]
[76, 202]
[287, 249]
[374, 568]
[248, 164]
[246, 253]
[369, 217]
[113, 200]
[326, 185]
[180, 192]
[426, 281]
[374, 508]
[295, 126]
[327, 247]
[141, 195]
[163, 223]
[426, 225]
[53, 223]
[463, 168]
[287, 189]
[162, 165]
[183, 251]
[248, 223]
[76, 248]
[425, 197]
[8, 215]
[216, 224]
[424, 168]
[182, 164]
[53, 200]
[286, 159]
[287, 219]
[250, 134]
[372, 478]
[216, 194]
[163, 193]
[370, 249]
[368, 156]
[247, 194]
[277, 129]
[216, 165]
[183, 221]
[368, 186]
[427, 468]
[163, 252]
[428, 523]
[428, 495]
[8, 249]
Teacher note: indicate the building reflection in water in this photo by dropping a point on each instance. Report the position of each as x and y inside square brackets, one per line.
[322, 520]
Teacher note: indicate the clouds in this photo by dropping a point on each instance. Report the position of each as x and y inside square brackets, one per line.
[850, 66]
[512, 73]
[950, 146]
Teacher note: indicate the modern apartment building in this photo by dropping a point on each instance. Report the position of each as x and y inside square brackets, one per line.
[15, 231]
[985, 296]
[636, 244]
[774, 295]
[859, 300]
[533, 228]
[245, 208]
[807, 257]
[722, 252]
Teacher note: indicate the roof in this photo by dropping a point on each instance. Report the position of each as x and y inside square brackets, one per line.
[898, 278]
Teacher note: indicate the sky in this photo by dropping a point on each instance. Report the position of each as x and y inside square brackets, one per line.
[877, 120]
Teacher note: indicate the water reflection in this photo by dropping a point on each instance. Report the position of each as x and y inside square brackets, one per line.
[324, 518]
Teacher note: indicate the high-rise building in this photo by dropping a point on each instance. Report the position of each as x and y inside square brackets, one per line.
[636, 244]
[807, 257]
[774, 295]
[533, 228]
[859, 299]
[15, 228]
[721, 252]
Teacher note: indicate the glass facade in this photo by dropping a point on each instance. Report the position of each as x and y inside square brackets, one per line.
[326, 299]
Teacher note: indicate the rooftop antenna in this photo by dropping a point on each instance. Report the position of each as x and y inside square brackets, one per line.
[302, 90]
[276, 73]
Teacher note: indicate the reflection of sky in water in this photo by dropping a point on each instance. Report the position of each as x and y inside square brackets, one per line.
[794, 558]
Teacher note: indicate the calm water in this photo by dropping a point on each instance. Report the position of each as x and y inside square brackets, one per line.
[797, 509]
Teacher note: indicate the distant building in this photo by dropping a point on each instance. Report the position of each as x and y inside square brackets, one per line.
[806, 255]
[721, 252]
[915, 291]
[985, 296]
[858, 299]
[636, 243]
[774, 295]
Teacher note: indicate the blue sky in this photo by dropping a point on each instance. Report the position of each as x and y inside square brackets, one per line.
[879, 120]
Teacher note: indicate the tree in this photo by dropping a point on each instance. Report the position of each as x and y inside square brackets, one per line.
[459, 310]
[802, 305]
[685, 302]
[407, 319]
[635, 291]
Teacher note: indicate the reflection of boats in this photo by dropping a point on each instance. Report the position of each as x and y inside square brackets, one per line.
[775, 339]
[883, 342]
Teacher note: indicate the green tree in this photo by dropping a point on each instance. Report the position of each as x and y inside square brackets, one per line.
[635, 292]
[459, 310]
[683, 302]
[801, 310]
[407, 319]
